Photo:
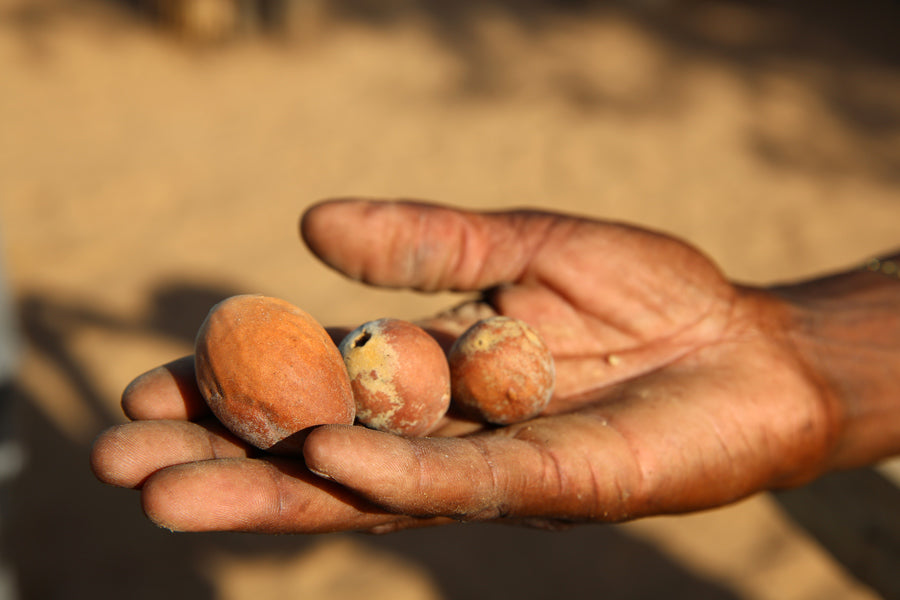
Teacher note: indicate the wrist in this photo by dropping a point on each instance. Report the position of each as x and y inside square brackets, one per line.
[846, 328]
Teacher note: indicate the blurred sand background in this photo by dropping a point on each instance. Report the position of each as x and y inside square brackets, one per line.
[143, 177]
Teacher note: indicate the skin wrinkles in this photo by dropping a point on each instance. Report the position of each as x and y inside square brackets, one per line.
[473, 258]
[463, 252]
[283, 506]
[730, 391]
[667, 350]
[835, 412]
[655, 483]
[273, 506]
[568, 480]
[421, 486]
[531, 232]
[623, 491]
[619, 512]
[594, 487]
[422, 254]
[494, 504]
[553, 474]
[818, 405]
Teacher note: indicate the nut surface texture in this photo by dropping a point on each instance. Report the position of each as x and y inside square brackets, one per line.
[501, 371]
[399, 376]
[268, 370]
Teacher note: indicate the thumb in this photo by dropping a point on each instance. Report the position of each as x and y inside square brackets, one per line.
[424, 246]
[519, 471]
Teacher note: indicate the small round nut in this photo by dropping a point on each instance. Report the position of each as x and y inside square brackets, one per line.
[501, 371]
[268, 371]
[399, 376]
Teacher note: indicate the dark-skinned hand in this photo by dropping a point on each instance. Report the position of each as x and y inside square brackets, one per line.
[676, 390]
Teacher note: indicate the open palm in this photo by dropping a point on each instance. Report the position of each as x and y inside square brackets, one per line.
[675, 390]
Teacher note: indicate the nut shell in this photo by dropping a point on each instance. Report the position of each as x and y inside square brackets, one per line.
[268, 371]
[399, 376]
[501, 371]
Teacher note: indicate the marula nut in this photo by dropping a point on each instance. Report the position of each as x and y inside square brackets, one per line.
[268, 370]
[399, 376]
[501, 371]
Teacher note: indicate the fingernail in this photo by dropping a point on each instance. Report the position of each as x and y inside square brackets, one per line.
[320, 473]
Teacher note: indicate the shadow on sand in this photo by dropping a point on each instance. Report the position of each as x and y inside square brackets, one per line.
[76, 538]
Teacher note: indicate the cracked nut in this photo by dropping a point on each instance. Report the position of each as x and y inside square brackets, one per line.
[399, 376]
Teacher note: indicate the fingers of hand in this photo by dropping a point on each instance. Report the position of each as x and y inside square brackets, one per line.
[199, 478]
[423, 246]
[410, 481]
[267, 496]
[166, 392]
[127, 454]
[511, 472]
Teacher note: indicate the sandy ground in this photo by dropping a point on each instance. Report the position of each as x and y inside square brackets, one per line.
[142, 178]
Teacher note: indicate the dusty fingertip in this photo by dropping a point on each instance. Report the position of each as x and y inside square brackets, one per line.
[166, 392]
[99, 458]
[321, 446]
[160, 504]
[315, 221]
[108, 459]
[162, 525]
[157, 520]
[131, 394]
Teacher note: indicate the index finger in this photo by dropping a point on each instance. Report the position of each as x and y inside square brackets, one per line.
[273, 495]
[426, 247]
[167, 392]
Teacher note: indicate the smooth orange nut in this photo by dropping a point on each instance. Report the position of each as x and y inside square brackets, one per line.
[268, 371]
[501, 371]
[399, 376]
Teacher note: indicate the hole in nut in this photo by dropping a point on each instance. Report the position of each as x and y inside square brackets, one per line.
[362, 339]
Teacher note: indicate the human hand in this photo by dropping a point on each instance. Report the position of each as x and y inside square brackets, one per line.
[676, 390]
